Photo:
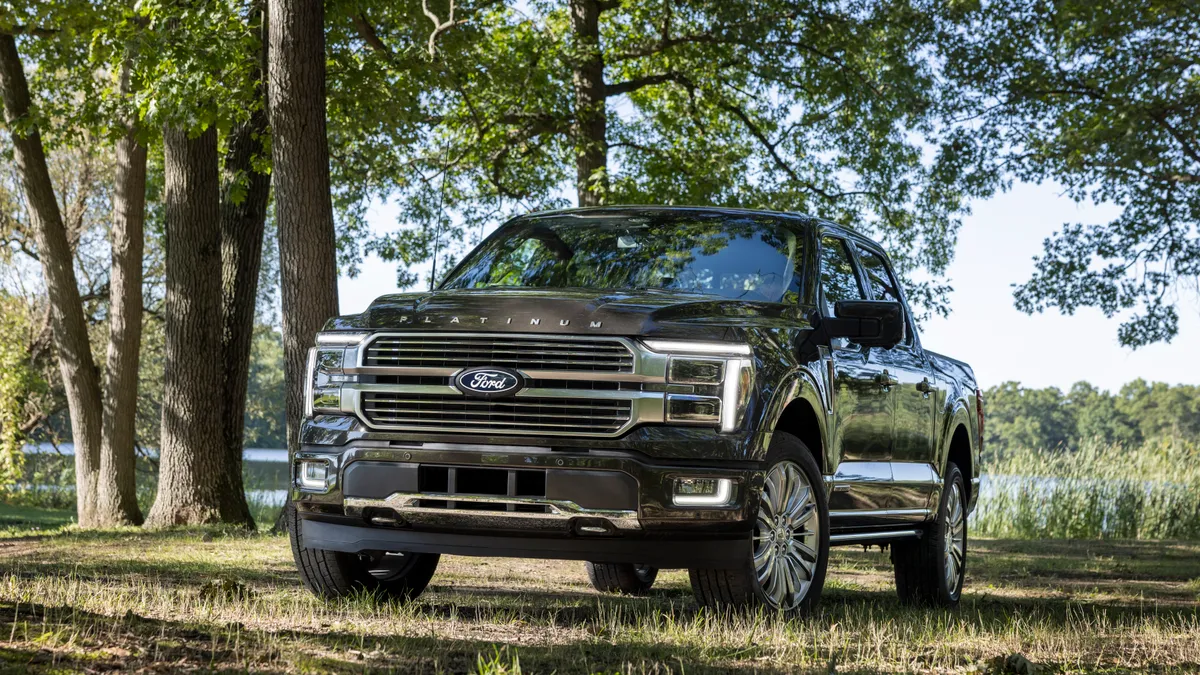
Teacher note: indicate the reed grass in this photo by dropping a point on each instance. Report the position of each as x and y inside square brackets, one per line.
[1095, 490]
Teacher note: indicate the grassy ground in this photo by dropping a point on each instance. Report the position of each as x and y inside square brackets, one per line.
[75, 601]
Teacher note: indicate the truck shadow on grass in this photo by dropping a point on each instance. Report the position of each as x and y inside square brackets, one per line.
[93, 601]
[47, 639]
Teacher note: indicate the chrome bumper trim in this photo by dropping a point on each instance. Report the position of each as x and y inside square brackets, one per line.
[558, 511]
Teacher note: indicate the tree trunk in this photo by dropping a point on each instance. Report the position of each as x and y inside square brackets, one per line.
[81, 382]
[241, 254]
[116, 501]
[191, 451]
[591, 116]
[303, 209]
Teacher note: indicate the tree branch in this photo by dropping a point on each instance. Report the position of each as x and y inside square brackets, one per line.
[633, 85]
[439, 26]
[36, 31]
[367, 32]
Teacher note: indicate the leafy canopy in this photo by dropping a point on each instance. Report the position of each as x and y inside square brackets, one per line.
[1104, 98]
[829, 108]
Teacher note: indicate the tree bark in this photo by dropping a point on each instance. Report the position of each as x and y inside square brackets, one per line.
[303, 209]
[241, 255]
[81, 381]
[191, 452]
[591, 116]
[116, 502]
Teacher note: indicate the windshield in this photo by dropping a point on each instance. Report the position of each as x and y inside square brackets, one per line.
[736, 257]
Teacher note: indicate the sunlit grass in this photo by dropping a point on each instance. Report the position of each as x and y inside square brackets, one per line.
[89, 601]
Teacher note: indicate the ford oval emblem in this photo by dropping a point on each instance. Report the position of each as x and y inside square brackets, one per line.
[488, 382]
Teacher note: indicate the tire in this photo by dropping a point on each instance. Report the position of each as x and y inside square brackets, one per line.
[334, 574]
[622, 578]
[803, 543]
[930, 571]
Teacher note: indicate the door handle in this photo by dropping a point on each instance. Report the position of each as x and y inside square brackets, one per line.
[885, 380]
[925, 387]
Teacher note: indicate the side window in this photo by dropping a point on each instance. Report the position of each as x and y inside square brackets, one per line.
[883, 284]
[838, 279]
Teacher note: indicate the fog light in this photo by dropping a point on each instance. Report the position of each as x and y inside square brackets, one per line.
[702, 491]
[314, 475]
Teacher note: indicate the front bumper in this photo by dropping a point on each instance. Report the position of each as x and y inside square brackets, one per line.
[519, 501]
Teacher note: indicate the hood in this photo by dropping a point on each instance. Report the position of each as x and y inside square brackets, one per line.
[661, 313]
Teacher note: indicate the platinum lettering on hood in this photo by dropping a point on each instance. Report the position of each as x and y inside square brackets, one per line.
[481, 320]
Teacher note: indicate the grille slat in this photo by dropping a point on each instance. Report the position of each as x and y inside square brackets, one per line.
[451, 411]
[432, 352]
[494, 406]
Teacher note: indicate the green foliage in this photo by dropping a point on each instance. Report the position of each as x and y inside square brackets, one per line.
[1048, 420]
[18, 380]
[266, 421]
[824, 108]
[1146, 491]
[1104, 98]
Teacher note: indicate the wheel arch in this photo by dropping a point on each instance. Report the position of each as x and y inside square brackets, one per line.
[960, 444]
[797, 407]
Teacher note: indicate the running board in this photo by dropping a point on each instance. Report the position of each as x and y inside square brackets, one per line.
[872, 537]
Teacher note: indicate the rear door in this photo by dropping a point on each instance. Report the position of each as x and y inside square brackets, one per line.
[862, 409]
[913, 392]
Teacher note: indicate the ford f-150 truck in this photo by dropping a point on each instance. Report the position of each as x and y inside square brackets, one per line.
[726, 391]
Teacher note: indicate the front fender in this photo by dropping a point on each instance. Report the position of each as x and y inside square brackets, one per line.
[799, 384]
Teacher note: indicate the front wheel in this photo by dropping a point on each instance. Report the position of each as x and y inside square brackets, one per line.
[334, 574]
[931, 570]
[786, 571]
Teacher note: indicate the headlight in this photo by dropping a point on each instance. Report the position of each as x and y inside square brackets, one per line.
[326, 371]
[709, 383]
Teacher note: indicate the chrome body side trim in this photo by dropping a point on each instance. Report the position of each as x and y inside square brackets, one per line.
[880, 513]
[866, 537]
[558, 511]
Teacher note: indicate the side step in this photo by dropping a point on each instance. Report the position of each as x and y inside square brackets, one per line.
[875, 537]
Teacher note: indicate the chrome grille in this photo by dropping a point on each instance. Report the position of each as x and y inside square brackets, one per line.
[450, 412]
[463, 351]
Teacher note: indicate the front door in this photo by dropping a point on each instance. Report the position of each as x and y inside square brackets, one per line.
[862, 405]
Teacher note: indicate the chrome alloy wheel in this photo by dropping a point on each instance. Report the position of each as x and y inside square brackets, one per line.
[955, 536]
[786, 536]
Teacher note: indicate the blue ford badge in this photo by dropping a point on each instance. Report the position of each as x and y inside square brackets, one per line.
[488, 382]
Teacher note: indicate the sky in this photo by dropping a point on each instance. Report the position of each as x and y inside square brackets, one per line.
[995, 250]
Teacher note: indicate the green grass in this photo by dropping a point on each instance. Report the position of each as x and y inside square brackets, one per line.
[20, 521]
[73, 601]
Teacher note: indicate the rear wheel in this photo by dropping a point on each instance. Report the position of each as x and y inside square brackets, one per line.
[623, 578]
[786, 570]
[931, 570]
[334, 574]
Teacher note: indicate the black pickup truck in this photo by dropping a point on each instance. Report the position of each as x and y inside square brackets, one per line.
[726, 391]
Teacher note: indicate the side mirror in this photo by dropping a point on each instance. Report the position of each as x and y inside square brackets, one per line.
[871, 323]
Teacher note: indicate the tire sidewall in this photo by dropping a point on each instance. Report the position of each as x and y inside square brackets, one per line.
[786, 447]
[951, 595]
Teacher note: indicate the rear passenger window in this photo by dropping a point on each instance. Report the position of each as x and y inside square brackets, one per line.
[838, 278]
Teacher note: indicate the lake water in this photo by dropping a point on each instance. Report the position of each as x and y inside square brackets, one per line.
[249, 454]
